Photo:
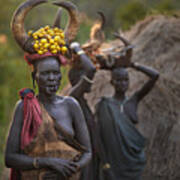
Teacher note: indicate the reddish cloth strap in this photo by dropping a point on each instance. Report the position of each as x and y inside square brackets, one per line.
[32, 117]
[31, 123]
[30, 58]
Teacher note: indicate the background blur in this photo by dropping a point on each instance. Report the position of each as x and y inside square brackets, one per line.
[15, 74]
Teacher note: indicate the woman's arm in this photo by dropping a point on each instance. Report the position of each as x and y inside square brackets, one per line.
[88, 68]
[153, 75]
[13, 156]
[81, 132]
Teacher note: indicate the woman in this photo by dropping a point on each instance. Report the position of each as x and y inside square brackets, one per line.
[81, 81]
[81, 78]
[121, 144]
[48, 138]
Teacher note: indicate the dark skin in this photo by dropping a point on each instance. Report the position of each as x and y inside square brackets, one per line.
[66, 112]
[80, 86]
[120, 81]
[85, 67]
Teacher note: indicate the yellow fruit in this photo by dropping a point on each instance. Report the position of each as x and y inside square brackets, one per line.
[62, 42]
[43, 41]
[56, 29]
[46, 45]
[48, 36]
[50, 32]
[52, 47]
[40, 44]
[54, 51]
[36, 46]
[35, 37]
[57, 38]
[57, 34]
[30, 33]
[43, 33]
[46, 27]
[45, 50]
[58, 48]
[40, 52]
[40, 35]
[56, 44]
[51, 41]
[35, 34]
[60, 30]
[62, 35]
[64, 49]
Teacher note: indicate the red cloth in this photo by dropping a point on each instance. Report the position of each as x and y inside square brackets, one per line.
[32, 119]
[13, 174]
[31, 123]
[32, 57]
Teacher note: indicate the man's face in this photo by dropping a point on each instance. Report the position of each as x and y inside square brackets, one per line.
[48, 76]
[120, 80]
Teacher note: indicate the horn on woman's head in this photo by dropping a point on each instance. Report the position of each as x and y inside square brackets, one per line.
[73, 24]
[17, 23]
[57, 22]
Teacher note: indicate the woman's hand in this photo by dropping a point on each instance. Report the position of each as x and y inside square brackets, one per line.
[65, 167]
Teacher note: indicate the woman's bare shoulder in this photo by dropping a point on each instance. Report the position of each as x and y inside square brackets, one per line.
[69, 100]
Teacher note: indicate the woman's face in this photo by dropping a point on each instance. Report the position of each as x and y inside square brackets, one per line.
[48, 76]
[120, 80]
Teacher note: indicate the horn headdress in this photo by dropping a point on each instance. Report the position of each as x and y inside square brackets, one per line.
[29, 43]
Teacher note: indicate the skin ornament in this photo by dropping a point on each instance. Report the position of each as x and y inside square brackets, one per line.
[48, 138]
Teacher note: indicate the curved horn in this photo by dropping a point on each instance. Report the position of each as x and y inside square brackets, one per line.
[97, 29]
[127, 44]
[57, 22]
[73, 24]
[125, 41]
[103, 19]
[96, 35]
[17, 24]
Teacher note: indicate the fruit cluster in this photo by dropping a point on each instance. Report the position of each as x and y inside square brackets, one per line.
[48, 39]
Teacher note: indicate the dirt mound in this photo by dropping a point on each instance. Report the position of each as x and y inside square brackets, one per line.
[157, 42]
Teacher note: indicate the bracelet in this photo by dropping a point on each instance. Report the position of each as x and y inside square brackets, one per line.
[88, 80]
[35, 163]
[74, 44]
[136, 64]
[80, 52]
[106, 166]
